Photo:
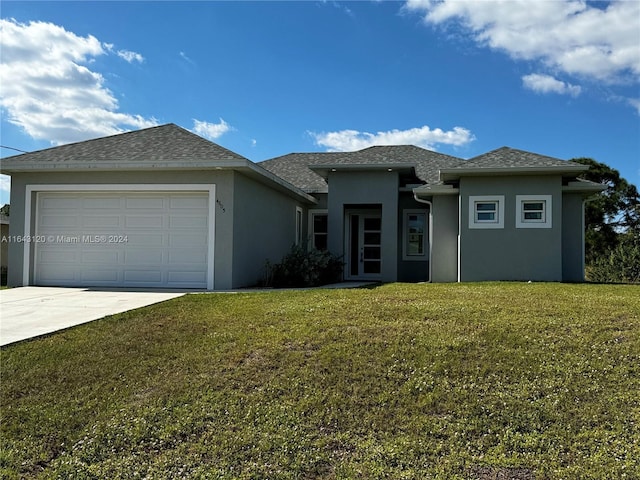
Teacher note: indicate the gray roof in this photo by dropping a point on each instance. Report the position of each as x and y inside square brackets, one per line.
[506, 157]
[509, 161]
[153, 146]
[167, 147]
[294, 167]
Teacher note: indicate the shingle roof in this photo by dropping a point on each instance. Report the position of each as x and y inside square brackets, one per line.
[510, 157]
[156, 145]
[294, 167]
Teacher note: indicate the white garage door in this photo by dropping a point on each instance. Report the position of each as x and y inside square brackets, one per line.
[131, 239]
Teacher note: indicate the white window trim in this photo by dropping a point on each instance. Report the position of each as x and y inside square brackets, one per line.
[298, 227]
[185, 187]
[522, 199]
[473, 223]
[425, 235]
[310, 230]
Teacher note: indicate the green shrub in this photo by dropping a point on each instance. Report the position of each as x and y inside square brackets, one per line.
[620, 265]
[302, 268]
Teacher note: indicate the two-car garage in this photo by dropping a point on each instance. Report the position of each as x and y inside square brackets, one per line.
[160, 237]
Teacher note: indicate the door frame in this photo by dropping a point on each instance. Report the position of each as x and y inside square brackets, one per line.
[361, 212]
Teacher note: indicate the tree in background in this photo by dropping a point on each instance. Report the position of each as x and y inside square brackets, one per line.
[612, 237]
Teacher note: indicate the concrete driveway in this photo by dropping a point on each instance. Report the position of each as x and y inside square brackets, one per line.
[27, 312]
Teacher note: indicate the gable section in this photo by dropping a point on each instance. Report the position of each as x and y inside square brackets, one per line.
[154, 147]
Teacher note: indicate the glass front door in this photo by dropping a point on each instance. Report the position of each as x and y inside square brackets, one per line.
[364, 245]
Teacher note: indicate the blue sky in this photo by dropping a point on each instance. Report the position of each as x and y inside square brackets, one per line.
[269, 78]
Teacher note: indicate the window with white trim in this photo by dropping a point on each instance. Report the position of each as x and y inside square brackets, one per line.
[486, 211]
[318, 229]
[415, 235]
[298, 226]
[533, 211]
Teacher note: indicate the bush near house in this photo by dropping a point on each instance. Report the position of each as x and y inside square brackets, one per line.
[620, 264]
[304, 268]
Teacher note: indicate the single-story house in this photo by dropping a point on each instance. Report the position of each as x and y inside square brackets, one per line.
[165, 208]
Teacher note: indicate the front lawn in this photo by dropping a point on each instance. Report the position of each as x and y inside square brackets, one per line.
[495, 380]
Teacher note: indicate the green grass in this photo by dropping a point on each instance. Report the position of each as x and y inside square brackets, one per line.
[496, 380]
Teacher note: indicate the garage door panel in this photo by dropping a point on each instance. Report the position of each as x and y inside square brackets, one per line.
[190, 278]
[100, 277]
[146, 201]
[143, 256]
[58, 202]
[163, 239]
[187, 221]
[189, 202]
[187, 240]
[59, 256]
[143, 276]
[100, 257]
[101, 202]
[146, 239]
[101, 221]
[195, 256]
[143, 221]
[59, 221]
[62, 273]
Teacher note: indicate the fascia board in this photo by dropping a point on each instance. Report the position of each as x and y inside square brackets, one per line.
[448, 174]
[428, 190]
[323, 170]
[9, 167]
[584, 186]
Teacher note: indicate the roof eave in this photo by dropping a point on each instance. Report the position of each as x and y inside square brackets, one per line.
[584, 186]
[430, 190]
[240, 165]
[9, 167]
[449, 174]
[324, 170]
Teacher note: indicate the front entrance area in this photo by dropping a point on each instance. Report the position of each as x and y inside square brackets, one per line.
[363, 244]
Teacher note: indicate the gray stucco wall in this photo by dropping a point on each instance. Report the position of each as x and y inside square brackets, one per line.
[224, 220]
[264, 228]
[444, 250]
[511, 253]
[572, 238]
[360, 189]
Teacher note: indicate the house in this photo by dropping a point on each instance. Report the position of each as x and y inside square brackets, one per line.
[165, 208]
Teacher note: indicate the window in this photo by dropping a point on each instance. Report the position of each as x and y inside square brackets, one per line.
[415, 235]
[298, 226]
[486, 211]
[318, 229]
[533, 211]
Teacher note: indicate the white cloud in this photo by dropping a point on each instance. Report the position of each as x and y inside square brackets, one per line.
[130, 56]
[186, 58]
[210, 130]
[547, 84]
[48, 90]
[569, 36]
[635, 103]
[351, 140]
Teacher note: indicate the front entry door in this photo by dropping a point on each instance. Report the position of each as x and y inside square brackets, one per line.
[364, 245]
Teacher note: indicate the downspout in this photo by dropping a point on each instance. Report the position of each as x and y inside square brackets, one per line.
[428, 202]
